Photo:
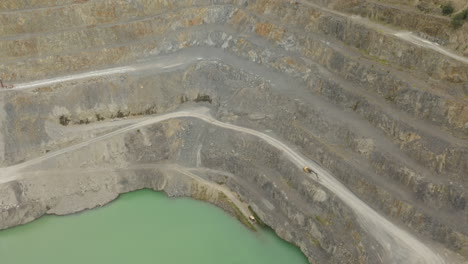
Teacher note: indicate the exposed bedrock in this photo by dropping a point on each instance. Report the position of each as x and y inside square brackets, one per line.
[99, 89]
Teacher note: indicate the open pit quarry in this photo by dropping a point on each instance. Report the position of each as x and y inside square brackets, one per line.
[226, 101]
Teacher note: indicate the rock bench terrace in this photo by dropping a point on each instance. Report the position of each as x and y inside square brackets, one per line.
[226, 101]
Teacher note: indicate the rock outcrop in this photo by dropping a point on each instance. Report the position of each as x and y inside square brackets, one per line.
[384, 111]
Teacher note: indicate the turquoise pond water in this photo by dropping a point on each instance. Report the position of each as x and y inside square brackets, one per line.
[144, 227]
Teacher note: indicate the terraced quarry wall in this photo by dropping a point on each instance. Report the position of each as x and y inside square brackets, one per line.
[226, 101]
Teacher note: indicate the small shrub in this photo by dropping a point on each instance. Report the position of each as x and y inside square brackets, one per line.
[83, 121]
[457, 22]
[459, 19]
[120, 114]
[447, 9]
[203, 98]
[99, 117]
[64, 121]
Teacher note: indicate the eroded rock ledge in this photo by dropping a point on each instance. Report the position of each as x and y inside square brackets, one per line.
[386, 115]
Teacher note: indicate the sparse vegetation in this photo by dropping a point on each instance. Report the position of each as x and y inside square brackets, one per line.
[289, 183]
[382, 61]
[64, 120]
[459, 18]
[321, 220]
[83, 121]
[234, 210]
[314, 241]
[203, 98]
[99, 117]
[325, 221]
[120, 114]
[447, 9]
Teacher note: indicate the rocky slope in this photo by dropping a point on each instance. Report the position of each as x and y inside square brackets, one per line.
[383, 111]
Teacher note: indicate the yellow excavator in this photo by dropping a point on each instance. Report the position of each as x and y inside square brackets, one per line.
[309, 170]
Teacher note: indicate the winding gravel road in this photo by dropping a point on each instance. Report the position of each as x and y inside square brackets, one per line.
[403, 35]
[400, 245]
[163, 63]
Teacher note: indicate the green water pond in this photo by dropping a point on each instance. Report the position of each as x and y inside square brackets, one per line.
[144, 227]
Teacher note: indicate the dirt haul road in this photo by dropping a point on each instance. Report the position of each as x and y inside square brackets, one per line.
[401, 246]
